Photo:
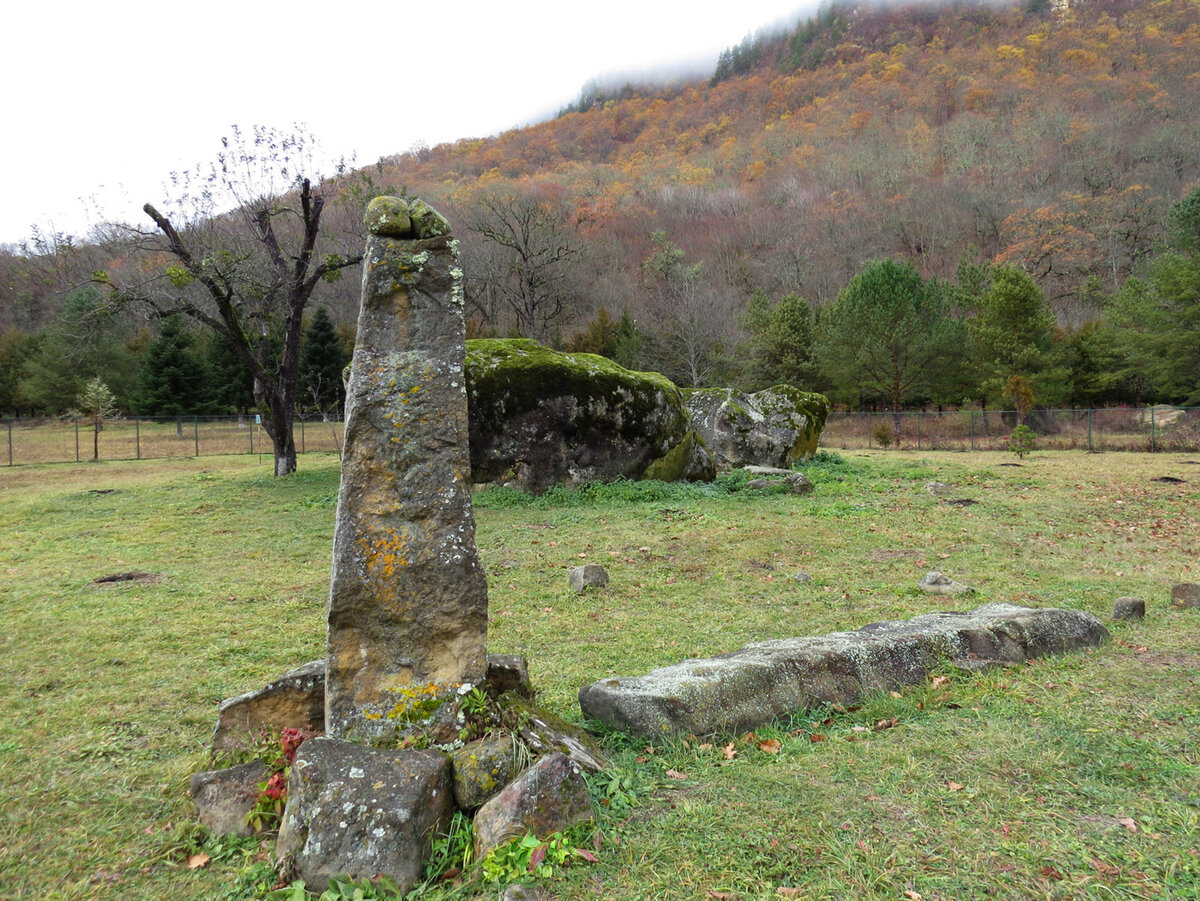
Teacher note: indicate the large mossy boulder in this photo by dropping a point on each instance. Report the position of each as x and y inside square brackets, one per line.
[773, 427]
[539, 418]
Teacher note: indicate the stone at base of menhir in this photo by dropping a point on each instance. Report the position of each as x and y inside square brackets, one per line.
[1128, 608]
[481, 769]
[940, 583]
[295, 700]
[1186, 596]
[224, 798]
[508, 673]
[363, 812]
[549, 797]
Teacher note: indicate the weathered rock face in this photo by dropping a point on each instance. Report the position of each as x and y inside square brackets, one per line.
[590, 575]
[224, 798]
[363, 812]
[541, 418]
[548, 797]
[295, 700]
[408, 597]
[1186, 595]
[940, 583]
[747, 688]
[481, 769]
[774, 427]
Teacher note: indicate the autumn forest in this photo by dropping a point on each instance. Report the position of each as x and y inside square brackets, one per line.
[900, 206]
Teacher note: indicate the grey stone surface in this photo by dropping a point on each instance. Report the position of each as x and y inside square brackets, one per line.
[543, 732]
[746, 688]
[508, 672]
[541, 418]
[295, 700]
[940, 583]
[1186, 595]
[590, 575]
[408, 596]
[1128, 608]
[363, 812]
[481, 769]
[773, 427]
[798, 482]
[548, 797]
[224, 798]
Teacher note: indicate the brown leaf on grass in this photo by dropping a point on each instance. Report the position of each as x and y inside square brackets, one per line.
[887, 724]
[785, 892]
[196, 861]
[913, 896]
[954, 786]
[939, 681]
[707, 746]
[730, 751]
[1128, 823]
[770, 746]
[816, 737]
[1049, 872]
[675, 774]
[722, 896]
[895, 694]
[749, 738]
[1104, 869]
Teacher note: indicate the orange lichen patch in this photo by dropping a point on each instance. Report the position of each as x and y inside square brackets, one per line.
[384, 552]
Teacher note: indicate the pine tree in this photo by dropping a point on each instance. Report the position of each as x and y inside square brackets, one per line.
[172, 380]
[322, 360]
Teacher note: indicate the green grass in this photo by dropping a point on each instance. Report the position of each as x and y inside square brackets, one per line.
[1077, 777]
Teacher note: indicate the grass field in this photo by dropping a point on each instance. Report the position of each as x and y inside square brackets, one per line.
[1077, 777]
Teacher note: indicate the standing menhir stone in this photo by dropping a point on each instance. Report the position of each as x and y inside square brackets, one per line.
[408, 597]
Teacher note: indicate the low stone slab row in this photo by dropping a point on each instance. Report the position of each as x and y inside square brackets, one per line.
[750, 687]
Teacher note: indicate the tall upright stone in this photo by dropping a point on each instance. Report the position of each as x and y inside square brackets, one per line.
[408, 597]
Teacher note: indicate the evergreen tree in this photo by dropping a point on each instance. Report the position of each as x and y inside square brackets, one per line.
[172, 381]
[86, 341]
[781, 343]
[322, 361]
[231, 387]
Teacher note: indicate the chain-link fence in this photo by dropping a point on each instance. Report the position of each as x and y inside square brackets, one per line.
[76, 440]
[1159, 428]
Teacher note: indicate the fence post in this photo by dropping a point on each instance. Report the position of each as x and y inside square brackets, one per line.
[196, 433]
[76, 440]
[137, 436]
[10, 462]
[302, 436]
[1152, 447]
[1091, 449]
[918, 430]
[971, 426]
[253, 426]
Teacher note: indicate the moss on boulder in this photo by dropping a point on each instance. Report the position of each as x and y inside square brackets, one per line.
[773, 427]
[540, 418]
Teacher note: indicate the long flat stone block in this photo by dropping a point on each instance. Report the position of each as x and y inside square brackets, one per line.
[747, 688]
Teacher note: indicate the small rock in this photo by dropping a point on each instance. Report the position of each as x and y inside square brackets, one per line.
[426, 221]
[801, 576]
[388, 216]
[544, 732]
[940, 583]
[1128, 608]
[295, 700]
[549, 797]
[937, 487]
[1186, 596]
[590, 575]
[481, 769]
[520, 892]
[508, 673]
[757, 484]
[963, 502]
[224, 798]
[801, 484]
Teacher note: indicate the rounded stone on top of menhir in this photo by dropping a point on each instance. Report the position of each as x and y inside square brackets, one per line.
[389, 217]
[1128, 608]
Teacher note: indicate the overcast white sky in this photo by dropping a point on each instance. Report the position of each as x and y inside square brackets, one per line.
[104, 100]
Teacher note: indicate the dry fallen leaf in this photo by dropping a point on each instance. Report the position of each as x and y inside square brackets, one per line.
[913, 896]
[785, 892]
[707, 746]
[675, 774]
[749, 738]
[939, 681]
[1049, 872]
[887, 724]
[196, 861]
[954, 786]
[730, 751]
[816, 737]
[770, 746]
[1105, 869]
[1128, 823]
[722, 896]
[895, 694]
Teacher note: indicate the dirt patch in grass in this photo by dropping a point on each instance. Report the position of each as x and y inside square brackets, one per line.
[118, 578]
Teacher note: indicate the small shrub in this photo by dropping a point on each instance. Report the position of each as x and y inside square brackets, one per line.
[882, 433]
[1022, 441]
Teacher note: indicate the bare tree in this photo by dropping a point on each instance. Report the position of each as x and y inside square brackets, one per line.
[250, 272]
[523, 263]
